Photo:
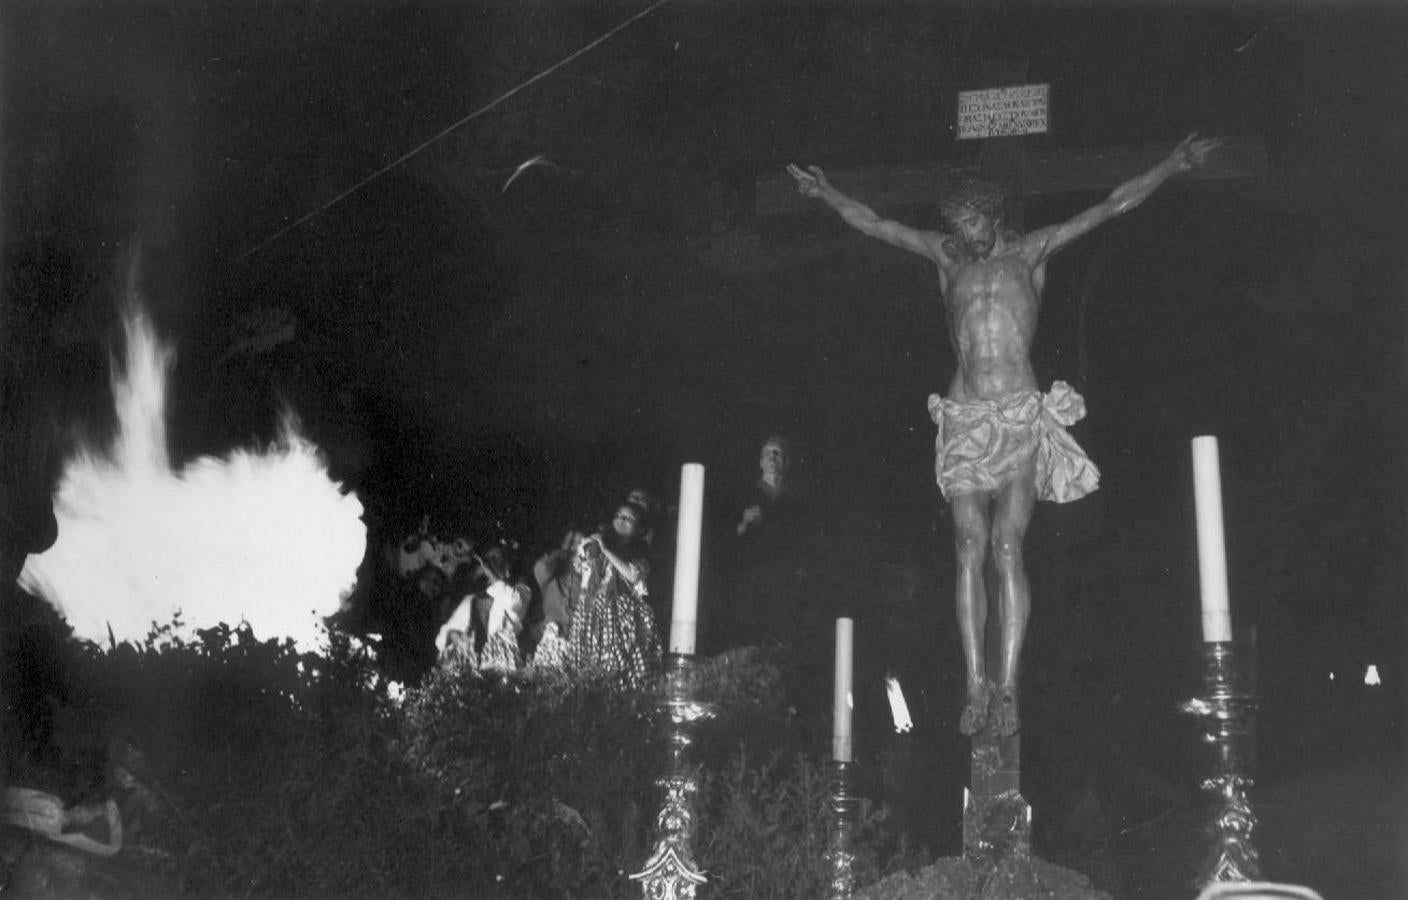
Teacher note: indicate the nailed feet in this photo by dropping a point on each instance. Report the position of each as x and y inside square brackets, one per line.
[1005, 716]
[975, 710]
[988, 704]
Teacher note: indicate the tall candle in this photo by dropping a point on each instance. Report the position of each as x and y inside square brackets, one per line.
[843, 704]
[684, 614]
[1212, 552]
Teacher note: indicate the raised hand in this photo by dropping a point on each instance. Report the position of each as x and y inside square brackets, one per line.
[809, 183]
[1192, 153]
[751, 516]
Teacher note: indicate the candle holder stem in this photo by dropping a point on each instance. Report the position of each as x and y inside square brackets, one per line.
[1227, 710]
[670, 872]
[844, 806]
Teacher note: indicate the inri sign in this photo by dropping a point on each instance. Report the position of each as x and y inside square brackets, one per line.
[1003, 112]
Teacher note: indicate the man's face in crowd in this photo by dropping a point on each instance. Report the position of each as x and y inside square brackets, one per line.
[774, 459]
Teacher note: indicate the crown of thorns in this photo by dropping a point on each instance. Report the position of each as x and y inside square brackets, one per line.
[974, 194]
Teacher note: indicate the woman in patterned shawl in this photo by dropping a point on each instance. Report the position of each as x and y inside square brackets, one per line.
[613, 628]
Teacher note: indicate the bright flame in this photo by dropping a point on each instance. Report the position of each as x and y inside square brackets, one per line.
[266, 538]
[1371, 675]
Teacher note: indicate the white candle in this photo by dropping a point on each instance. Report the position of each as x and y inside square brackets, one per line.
[684, 614]
[899, 709]
[1212, 553]
[843, 705]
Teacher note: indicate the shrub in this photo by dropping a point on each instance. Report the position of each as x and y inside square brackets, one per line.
[546, 772]
[266, 772]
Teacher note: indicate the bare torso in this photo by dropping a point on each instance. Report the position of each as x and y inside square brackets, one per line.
[992, 306]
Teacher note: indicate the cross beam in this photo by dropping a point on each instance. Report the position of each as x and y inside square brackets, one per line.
[1060, 172]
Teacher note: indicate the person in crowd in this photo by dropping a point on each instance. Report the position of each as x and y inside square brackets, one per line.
[613, 630]
[485, 625]
[660, 548]
[554, 575]
[646, 501]
[767, 558]
[765, 510]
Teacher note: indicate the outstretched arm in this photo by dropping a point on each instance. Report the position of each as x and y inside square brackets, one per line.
[813, 183]
[1187, 155]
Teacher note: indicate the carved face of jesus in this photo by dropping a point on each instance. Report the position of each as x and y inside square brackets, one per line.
[975, 231]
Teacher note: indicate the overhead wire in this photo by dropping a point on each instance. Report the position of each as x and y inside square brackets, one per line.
[446, 131]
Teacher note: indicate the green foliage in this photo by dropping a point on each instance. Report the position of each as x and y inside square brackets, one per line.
[267, 772]
[763, 832]
[546, 772]
[275, 767]
[764, 828]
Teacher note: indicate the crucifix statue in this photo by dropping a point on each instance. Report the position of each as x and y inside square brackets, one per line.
[1002, 443]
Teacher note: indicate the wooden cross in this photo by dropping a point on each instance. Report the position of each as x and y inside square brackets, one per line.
[1059, 172]
[997, 821]
[924, 184]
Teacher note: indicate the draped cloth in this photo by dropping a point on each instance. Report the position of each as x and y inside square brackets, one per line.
[983, 445]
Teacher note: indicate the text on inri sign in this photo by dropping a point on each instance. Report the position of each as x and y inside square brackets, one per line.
[1004, 112]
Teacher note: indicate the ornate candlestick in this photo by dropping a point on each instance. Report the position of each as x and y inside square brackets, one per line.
[843, 807]
[1227, 709]
[670, 872]
[842, 802]
[1228, 704]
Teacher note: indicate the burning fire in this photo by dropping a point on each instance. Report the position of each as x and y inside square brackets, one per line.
[265, 538]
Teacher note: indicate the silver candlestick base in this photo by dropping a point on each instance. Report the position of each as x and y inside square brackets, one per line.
[1228, 709]
[670, 872]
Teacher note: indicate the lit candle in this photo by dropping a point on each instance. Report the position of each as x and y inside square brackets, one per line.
[841, 716]
[1212, 553]
[684, 614]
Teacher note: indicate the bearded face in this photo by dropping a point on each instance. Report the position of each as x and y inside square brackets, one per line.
[972, 210]
[976, 231]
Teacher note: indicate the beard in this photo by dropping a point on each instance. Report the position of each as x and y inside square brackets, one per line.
[981, 248]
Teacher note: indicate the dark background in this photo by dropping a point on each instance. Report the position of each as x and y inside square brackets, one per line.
[469, 350]
[507, 356]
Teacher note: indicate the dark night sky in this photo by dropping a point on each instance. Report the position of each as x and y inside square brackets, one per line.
[460, 346]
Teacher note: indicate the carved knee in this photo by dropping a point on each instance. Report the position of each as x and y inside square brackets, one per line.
[1007, 551]
[971, 550]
